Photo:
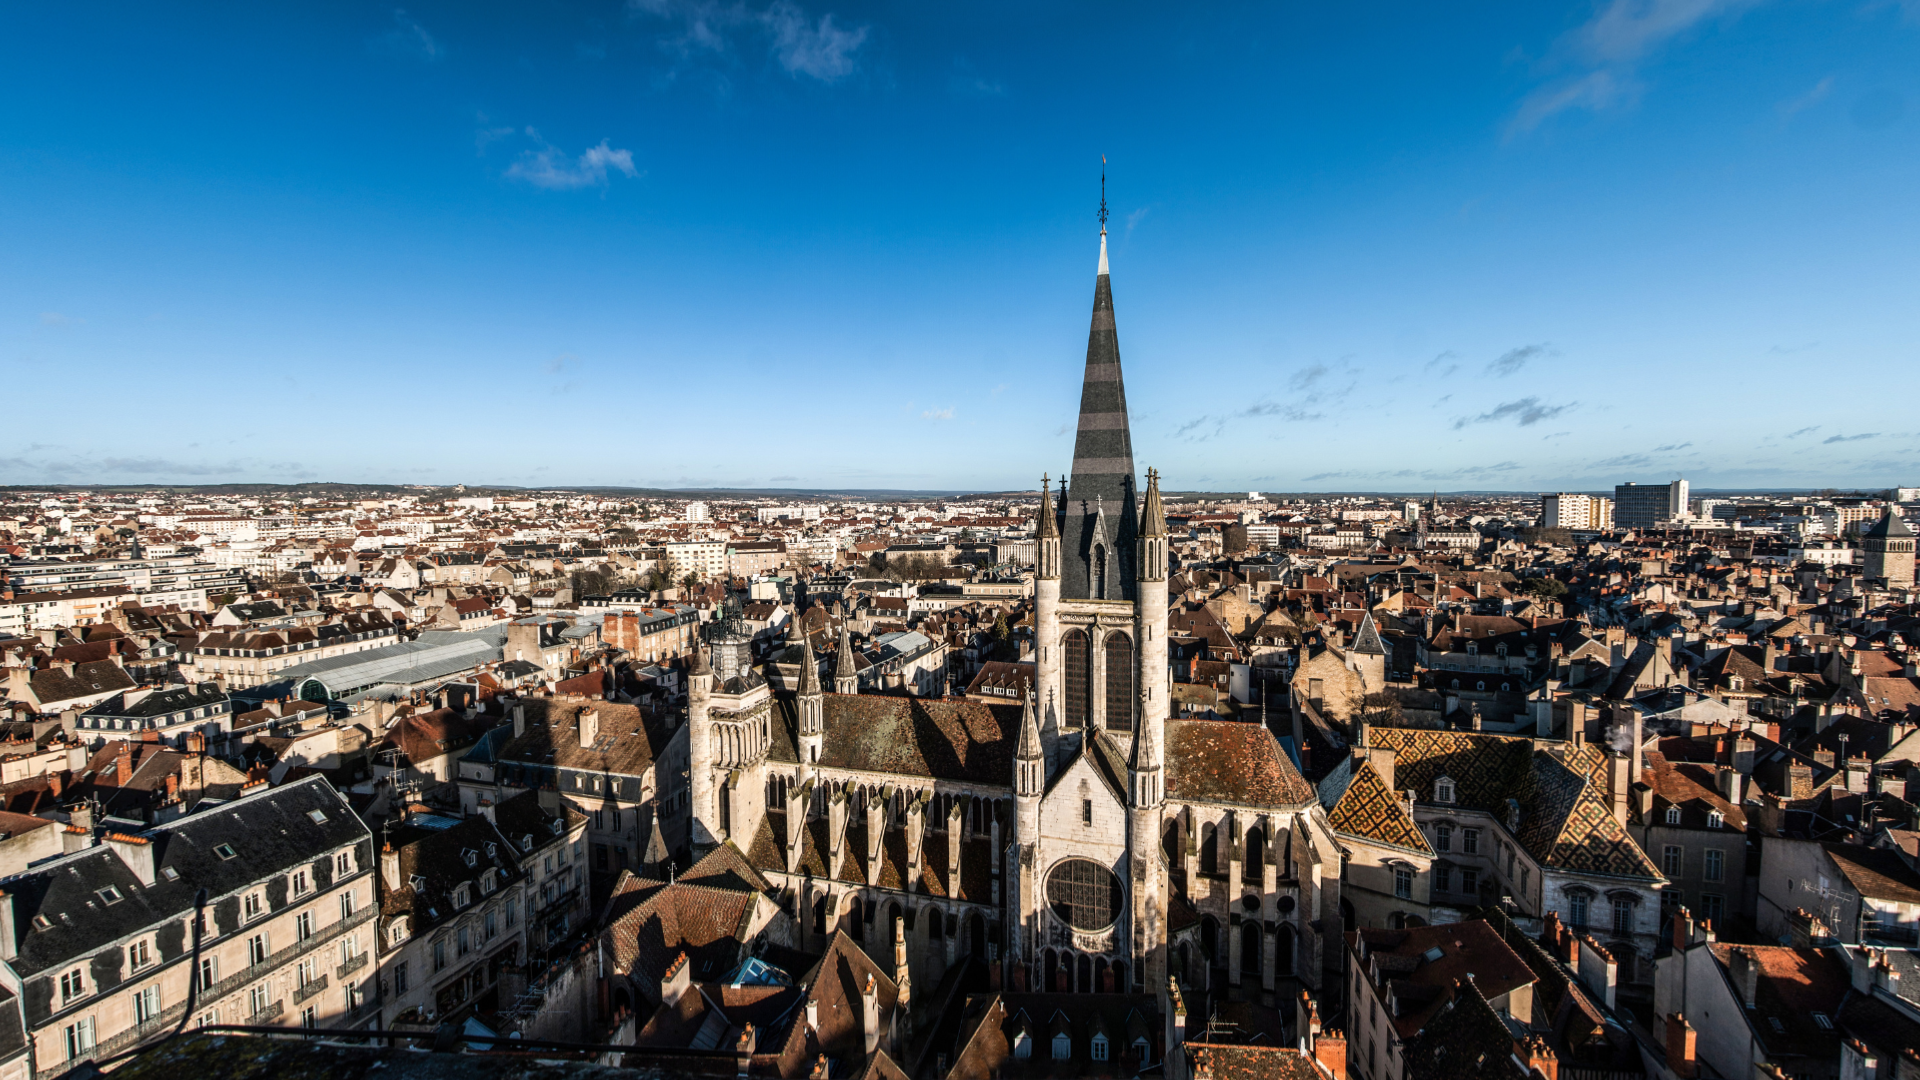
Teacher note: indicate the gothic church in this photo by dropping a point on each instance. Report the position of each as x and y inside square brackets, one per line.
[1086, 841]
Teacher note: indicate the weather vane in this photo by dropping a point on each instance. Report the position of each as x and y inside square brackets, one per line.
[1103, 193]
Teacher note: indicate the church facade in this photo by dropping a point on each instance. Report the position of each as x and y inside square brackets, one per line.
[1081, 841]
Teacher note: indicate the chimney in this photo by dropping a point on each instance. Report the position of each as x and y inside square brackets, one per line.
[136, 853]
[390, 867]
[743, 1053]
[1729, 781]
[1682, 1040]
[1682, 929]
[8, 947]
[1743, 968]
[870, 1013]
[675, 982]
[519, 718]
[1540, 1060]
[1617, 784]
[589, 726]
[1743, 748]
[1862, 960]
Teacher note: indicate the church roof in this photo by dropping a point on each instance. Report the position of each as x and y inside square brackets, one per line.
[952, 739]
[1891, 526]
[1099, 508]
[1367, 639]
[1227, 761]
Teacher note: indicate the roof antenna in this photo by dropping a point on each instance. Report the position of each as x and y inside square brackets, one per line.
[1103, 193]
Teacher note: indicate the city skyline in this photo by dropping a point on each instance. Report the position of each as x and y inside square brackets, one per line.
[1563, 249]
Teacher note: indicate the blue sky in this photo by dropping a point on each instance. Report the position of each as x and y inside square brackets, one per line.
[822, 243]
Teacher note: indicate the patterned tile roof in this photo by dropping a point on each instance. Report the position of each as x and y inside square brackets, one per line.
[1564, 821]
[1371, 812]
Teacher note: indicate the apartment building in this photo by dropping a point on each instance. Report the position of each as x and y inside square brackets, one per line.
[466, 903]
[1568, 510]
[248, 658]
[702, 558]
[1640, 506]
[100, 942]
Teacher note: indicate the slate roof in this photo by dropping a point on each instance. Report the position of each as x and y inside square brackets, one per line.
[1099, 494]
[1564, 821]
[52, 685]
[1369, 811]
[166, 700]
[1225, 761]
[270, 833]
[437, 859]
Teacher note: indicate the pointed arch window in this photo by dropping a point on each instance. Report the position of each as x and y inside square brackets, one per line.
[1079, 674]
[1097, 572]
[1121, 692]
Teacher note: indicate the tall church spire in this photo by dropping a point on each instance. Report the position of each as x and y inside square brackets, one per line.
[1102, 457]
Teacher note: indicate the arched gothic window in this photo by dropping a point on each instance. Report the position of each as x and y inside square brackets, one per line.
[1079, 657]
[1121, 695]
[1097, 572]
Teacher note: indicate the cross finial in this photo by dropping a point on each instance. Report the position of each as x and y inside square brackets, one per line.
[1103, 193]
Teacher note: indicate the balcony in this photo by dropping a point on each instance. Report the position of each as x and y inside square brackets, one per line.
[350, 967]
[267, 1015]
[306, 993]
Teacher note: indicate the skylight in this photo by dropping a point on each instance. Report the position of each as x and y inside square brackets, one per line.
[319, 817]
[225, 851]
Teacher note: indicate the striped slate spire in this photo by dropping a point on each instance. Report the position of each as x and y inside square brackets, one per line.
[1102, 477]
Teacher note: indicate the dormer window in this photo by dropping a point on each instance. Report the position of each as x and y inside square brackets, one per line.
[399, 930]
[418, 883]
[1673, 815]
[1734, 682]
[489, 881]
[470, 856]
[526, 842]
[1715, 819]
[462, 896]
[1473, 648]
[1443, 790]
[1099, 1047]
[1023, 1045]
[1062, 1046]
[1500, 649]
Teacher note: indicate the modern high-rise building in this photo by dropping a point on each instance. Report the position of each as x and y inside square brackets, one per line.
[1639, 506]
[1568, 510]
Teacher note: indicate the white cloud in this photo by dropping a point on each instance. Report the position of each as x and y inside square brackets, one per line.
[806, 47]
[801, 44]
[1807, 100]
[1594, 92]
[550, 167]
[1627, 30]
[1605, 49]
[408, 36]
[938, 414]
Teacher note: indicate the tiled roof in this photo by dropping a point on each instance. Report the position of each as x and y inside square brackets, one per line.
[968, 741]
[1225, 761]
[1371, 812]
[1564, 822]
